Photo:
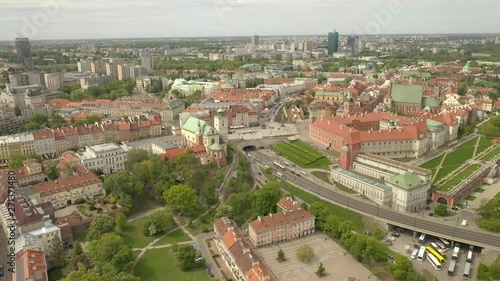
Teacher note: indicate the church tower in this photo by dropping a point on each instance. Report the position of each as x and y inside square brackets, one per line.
[349, 104]
[221, 123]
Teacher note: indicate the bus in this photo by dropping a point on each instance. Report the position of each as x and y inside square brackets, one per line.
[451, 268]
[445, 242]
[421, 254]
[421, 239]
[440, 245]
[432, 259]
[414, 254]
[438, 249]
[469, 255]
[279, 166]
[431, 251]
[466, 275]
[456, 250]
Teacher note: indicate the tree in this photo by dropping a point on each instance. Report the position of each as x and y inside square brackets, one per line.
[78, 248]
[16, 160]
[39, 118]
[281, 255]
[100, 225]
[321, 270]
[441, 210]
[58, 256]
[81, 259]
[135, 156]
[17, 111]
[182, 198]
[264, 200]
[120, 220]
[186, 255]
[305, 253]
[52, 172]
[57, 121]
[111, 250]
[157, 223]
[223, 210]
[83, 274]
[462, 90]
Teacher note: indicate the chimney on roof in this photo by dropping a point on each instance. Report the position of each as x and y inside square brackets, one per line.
[259, 218]
[271, 215]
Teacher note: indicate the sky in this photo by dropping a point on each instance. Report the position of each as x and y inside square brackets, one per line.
[86, 19]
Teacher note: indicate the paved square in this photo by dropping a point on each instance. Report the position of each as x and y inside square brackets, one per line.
[339, 264]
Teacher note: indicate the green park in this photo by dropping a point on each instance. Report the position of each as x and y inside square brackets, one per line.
[302, 154]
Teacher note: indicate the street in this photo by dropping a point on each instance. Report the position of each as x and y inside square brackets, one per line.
[3, 253]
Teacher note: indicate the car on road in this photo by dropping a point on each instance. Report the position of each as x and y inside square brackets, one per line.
[431, 214]
[395, 234]
[388, 242]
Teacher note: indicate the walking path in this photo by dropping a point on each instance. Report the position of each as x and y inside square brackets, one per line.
[144, 214]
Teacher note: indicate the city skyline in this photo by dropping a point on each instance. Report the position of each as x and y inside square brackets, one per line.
[197, 18]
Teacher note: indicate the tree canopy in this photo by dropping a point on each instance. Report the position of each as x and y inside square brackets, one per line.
[100, 225]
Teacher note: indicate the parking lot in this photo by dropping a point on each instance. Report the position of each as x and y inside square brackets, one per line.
[339, 264]
[405, 246]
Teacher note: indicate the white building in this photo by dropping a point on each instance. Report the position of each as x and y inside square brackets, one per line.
[39, 239]
[108, 158]
[53, 81]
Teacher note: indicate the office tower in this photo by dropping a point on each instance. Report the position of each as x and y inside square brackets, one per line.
[23, 50]
[53, 81]
[308, 46]
[255, 40]
[36, 78]
[147, 60]
[353, 44]
[17, 80]
[84, 66]
[333, 42]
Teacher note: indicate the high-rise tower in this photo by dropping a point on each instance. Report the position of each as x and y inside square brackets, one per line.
[333, 42]
[23, 50]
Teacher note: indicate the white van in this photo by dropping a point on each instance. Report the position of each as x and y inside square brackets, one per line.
[464, 222]
[414, 254]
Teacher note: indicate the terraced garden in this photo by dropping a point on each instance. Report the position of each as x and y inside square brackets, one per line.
[490, 155]
[484, 143]
[302, 154]
[433, 163]
[458, 178]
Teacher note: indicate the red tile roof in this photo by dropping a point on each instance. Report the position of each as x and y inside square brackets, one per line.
[279, 218]
[33, 264]
[66, 183]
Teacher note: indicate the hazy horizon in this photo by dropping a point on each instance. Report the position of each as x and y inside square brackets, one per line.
[113, 19]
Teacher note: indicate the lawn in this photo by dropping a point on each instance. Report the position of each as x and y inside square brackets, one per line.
[142, 205]
[161, 265]
[490, 155]
[322, 176]
[458, 178]
[479, 190]
[456, 158]
[470, 198]
[484, 143]
[433, 163]
[175, 237]
[302, 154]
[444, 171]
[133, 235]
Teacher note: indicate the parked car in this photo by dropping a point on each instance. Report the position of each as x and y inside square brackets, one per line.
[388, 242]
[427, 208]
[431, 214]
[416, 246]
[400, 230]
[392, 238]
[395, 234]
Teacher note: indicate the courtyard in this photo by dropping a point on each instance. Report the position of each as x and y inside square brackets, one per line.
[339, 264]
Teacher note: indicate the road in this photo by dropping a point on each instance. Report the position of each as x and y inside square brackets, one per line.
[410, 221]
[3, 252]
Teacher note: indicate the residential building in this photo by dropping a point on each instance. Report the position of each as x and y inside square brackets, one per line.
[45, 143]
[23, 50]
[38, 239]
[157, 145]
[237, 253]
[291, 222]
[98, 67]
[333, 43]
[123, 71]
[53, 81]
[17, 80]
[147, 60]
[36, 78]
[31, 265]
[66, 191]
[112, 70]
[108, 158]
[84, 66]
[30, 173]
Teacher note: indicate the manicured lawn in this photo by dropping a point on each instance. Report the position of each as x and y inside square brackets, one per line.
[444, 171]
[133, 235]
[490, 155]
[433, 163]
[161, 265]
[484, 143]
[470, 198]
[321, 175]
[302, 154]
[492, 203]
[456, 158]
[479, 190]
[458, 178]
[174, 237]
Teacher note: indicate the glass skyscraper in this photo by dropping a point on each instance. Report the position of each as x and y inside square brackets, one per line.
[333, 42]
[23, 50]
